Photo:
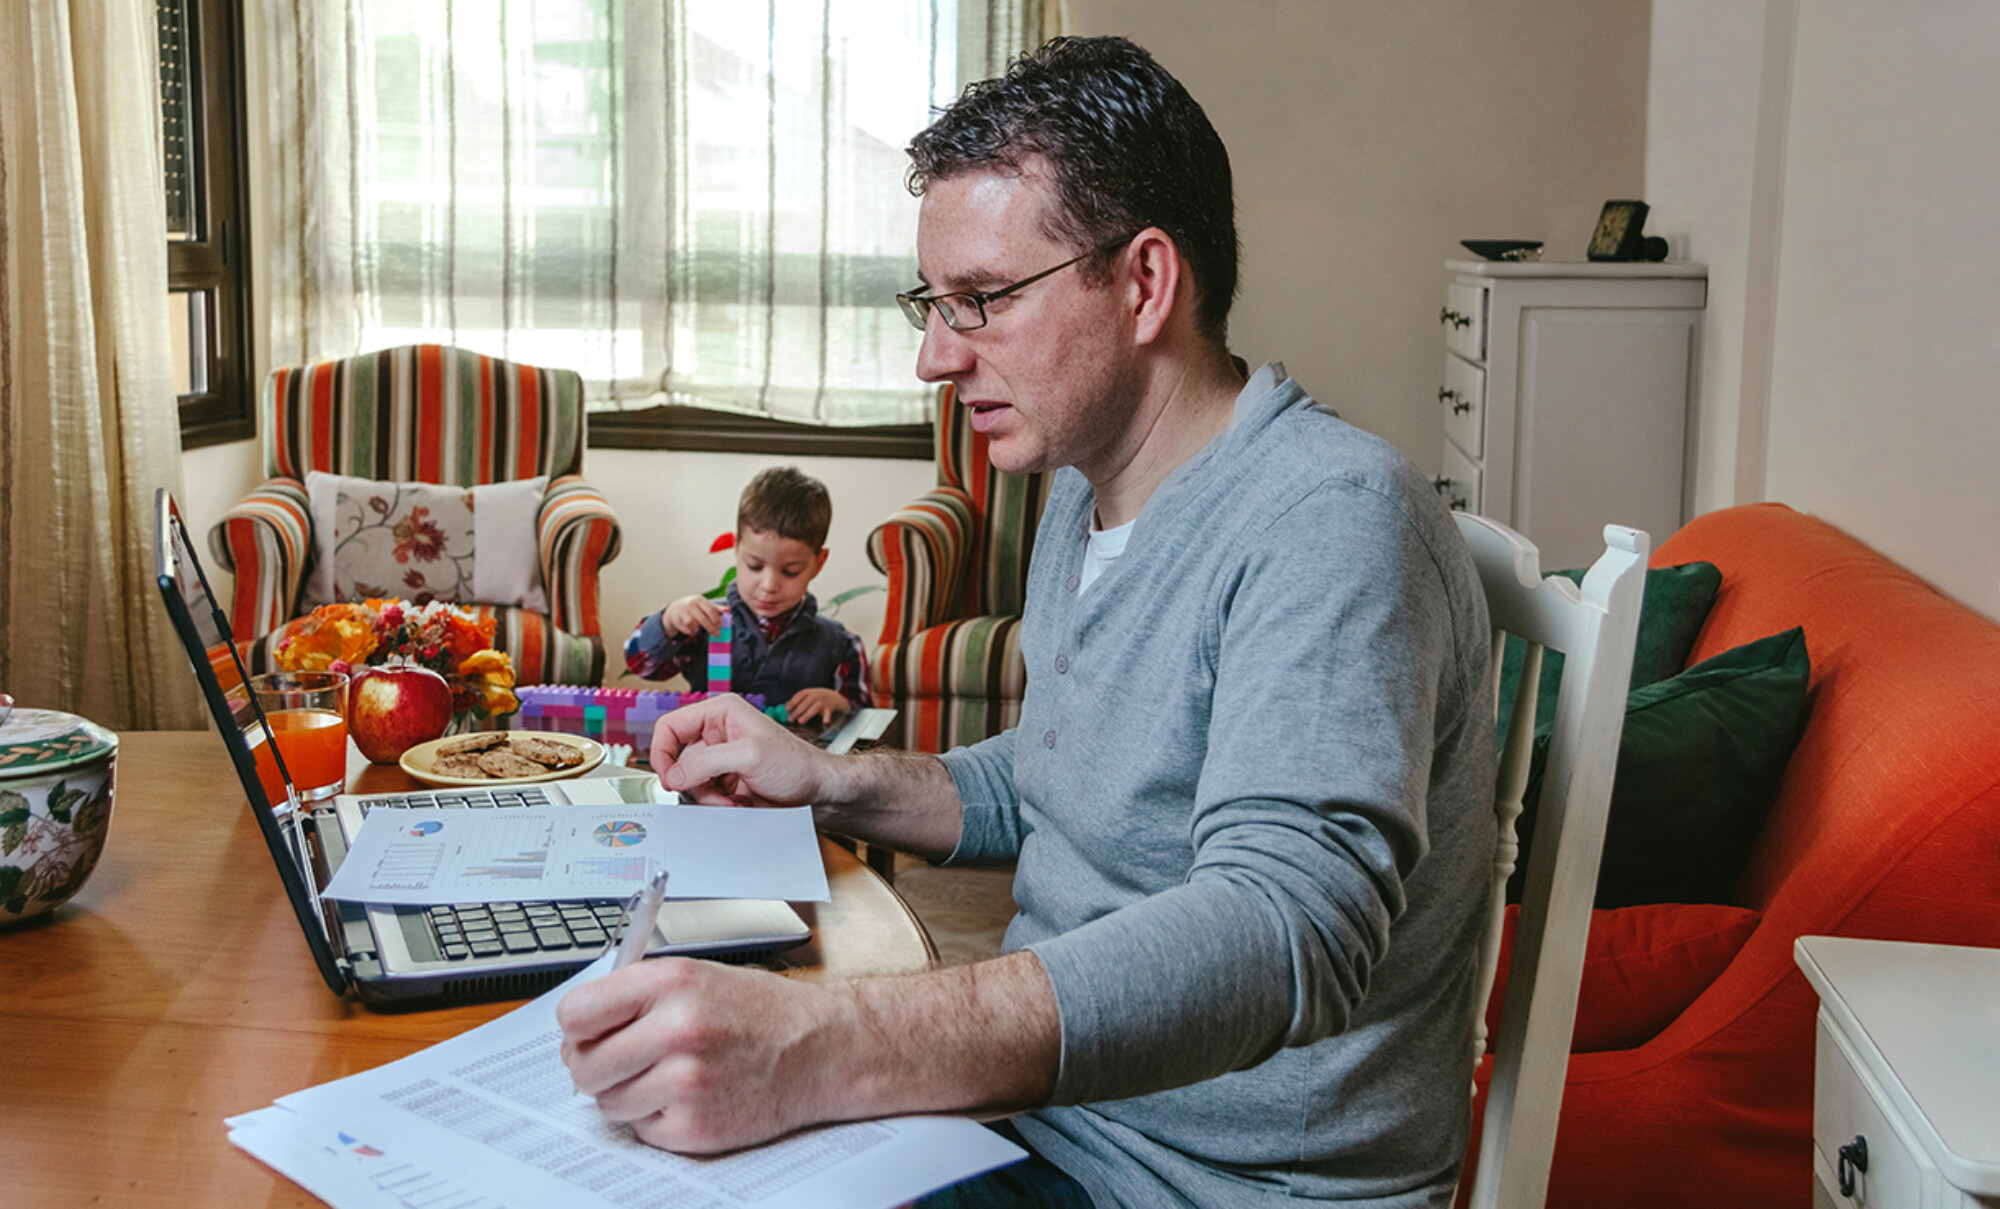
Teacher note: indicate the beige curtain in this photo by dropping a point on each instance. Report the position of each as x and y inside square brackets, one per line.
[88, 423]
[690, 202]
[992, 32]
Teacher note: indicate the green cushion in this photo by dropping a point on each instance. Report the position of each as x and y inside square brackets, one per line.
[1675, 603]
[1698, 768]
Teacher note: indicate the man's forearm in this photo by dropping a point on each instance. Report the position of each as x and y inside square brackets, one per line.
[703, 1058]
[897, 799]
[983, 1038]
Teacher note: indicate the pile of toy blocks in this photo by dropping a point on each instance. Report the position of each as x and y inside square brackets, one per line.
[608, 715]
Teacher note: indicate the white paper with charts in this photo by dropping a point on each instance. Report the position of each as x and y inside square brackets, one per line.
[431, 856]
[490, 1119]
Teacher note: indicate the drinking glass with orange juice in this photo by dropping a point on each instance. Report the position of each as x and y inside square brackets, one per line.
[308, 716]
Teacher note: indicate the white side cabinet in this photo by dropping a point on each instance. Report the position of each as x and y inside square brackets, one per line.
[1568, 397]
[1906, 1080]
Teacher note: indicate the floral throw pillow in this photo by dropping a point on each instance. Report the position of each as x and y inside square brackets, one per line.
[468, 545]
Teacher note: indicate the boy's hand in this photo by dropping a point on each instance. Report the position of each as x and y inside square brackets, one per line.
[810, 703]
[691, 613]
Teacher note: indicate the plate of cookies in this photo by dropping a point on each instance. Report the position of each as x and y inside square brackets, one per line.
[500, 757]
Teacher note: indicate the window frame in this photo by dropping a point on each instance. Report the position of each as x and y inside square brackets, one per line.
[700, 429]
[215, 258]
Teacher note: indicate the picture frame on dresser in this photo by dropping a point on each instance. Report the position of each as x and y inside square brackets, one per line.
[1620, 233]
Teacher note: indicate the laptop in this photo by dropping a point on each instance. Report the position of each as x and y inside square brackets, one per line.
[398, 957]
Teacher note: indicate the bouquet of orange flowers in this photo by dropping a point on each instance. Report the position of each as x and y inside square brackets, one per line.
[452, 641]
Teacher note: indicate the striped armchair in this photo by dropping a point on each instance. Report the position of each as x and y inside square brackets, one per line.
[431, 414]
[957, 560]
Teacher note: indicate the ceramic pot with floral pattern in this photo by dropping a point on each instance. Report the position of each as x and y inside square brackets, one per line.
[56, 777]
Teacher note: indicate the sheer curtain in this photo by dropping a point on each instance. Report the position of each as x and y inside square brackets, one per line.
[89, 424]
[694, 202]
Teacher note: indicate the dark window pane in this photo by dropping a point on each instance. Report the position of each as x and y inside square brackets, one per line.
[201, 97]
[178, 96]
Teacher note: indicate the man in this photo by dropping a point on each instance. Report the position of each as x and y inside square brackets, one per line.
[1249, 795]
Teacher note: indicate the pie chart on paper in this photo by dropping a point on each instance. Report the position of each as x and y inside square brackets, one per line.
[622, 834]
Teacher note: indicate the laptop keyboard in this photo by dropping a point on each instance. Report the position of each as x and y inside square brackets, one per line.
[467, 930]
[475, 799]
[490, 929]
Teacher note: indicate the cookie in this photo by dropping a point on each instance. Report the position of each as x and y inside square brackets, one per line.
[472, 744]
[466, 766]
[502, 762]
[547, 752]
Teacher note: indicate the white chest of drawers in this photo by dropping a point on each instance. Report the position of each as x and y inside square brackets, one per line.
[1906, 1082]
[1568, 394]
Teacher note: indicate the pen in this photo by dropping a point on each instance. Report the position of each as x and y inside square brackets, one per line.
[640, 916]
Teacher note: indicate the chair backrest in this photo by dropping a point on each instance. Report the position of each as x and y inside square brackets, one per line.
[1595, 627]
[423, 413]
[1006, 509]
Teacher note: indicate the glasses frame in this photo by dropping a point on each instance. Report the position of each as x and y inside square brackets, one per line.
[919, 304]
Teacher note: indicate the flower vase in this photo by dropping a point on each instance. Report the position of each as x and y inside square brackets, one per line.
[467, 716]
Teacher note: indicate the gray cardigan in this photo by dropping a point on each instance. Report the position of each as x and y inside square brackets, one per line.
[1250, 801]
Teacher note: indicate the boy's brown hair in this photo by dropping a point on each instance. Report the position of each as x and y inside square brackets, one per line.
[788, 502]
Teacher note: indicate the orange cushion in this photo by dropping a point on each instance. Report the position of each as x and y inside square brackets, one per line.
[1642, 967]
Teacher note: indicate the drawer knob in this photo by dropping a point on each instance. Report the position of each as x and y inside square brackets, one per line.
[1444, 486]
[1453, 318]
[1459, 403]
[1853, 1160]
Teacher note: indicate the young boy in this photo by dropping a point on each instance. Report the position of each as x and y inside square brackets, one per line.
[780, 646]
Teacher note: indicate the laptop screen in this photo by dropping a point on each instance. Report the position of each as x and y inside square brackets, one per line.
[218, 667]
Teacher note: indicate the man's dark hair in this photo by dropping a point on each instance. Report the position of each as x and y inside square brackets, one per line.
[788, 502]
[1129, 149]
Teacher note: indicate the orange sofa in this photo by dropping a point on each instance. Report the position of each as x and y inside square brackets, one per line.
[1886, 825]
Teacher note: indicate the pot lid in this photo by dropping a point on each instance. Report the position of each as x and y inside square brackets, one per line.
[43, 740]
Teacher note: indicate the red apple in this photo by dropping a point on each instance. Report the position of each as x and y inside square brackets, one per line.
[392, 708]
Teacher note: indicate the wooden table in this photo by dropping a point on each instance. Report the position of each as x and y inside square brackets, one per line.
[176, 990]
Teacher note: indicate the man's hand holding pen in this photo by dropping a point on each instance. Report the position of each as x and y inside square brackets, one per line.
[700, 1057]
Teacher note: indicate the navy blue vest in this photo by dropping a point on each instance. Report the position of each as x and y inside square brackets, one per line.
[807, 653]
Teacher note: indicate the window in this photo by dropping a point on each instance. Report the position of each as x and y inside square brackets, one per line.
[698, 204]
[201, 100]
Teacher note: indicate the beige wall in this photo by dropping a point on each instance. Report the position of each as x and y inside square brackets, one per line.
[1705, 181]
[1367, 139]
[1834, 163]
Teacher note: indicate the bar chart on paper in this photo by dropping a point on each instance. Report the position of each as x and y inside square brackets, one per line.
[513, 849]
[516, 866]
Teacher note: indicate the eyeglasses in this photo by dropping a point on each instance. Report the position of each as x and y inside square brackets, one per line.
[964, 312]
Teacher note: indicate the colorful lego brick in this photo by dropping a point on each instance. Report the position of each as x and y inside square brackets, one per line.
[718, 656]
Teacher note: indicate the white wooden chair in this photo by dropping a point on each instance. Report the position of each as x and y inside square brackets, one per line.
[1595, 629]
